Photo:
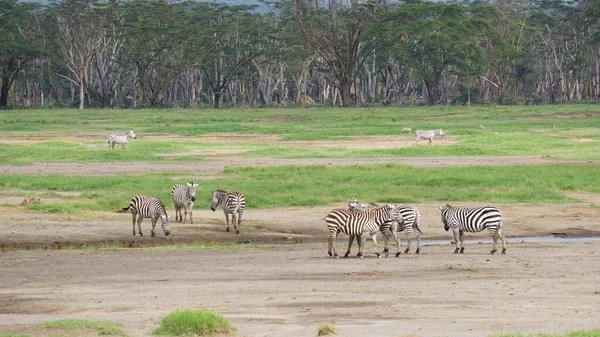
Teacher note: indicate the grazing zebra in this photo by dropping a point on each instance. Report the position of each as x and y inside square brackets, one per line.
[147, 207]
[184, 197]
[123, 140]
[233, 203]
[359, 224]
[411, 217]
[428, 134]
[462, 219]
[481, 127]
[405, 130]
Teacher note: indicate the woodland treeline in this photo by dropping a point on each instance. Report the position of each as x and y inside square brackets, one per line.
[154, 53]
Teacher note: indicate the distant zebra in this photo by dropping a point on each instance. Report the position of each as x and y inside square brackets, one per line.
[428, 134]
[183, 198]
[462, 219]
[147, 207]
[359, 224]
[481, 127]
[405, 130]
[233, 203]
[120, 139]
[411, 217]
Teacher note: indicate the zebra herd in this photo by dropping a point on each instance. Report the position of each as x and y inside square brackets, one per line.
[360, 220]
[184, 196]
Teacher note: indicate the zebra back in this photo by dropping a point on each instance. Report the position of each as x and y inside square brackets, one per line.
[148, 207]
[184, 193]
[359, 222]
[471, 219]
[232, 202]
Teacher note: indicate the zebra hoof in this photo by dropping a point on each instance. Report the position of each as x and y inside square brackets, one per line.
[153, 235]
[346, 255]
[493, 251]
[456, 251]
[227, 230]
[503, 251]
[397, 254]
[237, 232]
[406, 251]
[386, 254]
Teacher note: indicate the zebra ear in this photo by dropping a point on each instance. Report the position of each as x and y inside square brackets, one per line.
[440, 207]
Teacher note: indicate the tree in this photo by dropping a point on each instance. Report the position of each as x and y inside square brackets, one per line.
[335, 29]
[20, 43]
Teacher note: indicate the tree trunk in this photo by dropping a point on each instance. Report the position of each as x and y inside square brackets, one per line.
[345, 89]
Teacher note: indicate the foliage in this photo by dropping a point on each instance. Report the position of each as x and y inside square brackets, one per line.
[193, 322]
[326, 329]
[103, 328]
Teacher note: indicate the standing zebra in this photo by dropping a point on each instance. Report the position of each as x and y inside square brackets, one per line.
[233, 203]
[411, 217]
[359, 224]
[462, 219]
[428, 134]
[184, 197]
[147, 207]
[118, 139]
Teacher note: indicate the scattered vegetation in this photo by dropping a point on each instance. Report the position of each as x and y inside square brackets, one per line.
[193, 322]
[103, 328]
[326, 329]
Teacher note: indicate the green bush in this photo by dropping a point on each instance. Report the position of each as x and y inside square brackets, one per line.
[193, 322]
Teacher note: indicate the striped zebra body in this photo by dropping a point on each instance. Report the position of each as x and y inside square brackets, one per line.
[462, 219]
[358, 224]
[233, 203]
[120, 139]
[147, 207]
[184, 196]
[428, 134]
[411, 217]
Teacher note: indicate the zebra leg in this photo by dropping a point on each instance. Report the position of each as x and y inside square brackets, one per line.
[361, 246]
[235, 218]
[430, 139]
[153, 225]
[332, 252]
[139, 223]
[133, 222]
[351, 238]
[462, 244]
[456, 240]
[418, 234]
[408, 240]
[226, 219]
[239, 221]
[191, 220]
[185, 213]
[503, 241]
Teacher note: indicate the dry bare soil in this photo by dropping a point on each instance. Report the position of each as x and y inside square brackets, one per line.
[278, 281]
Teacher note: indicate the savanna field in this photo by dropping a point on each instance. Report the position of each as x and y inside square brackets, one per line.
[71, 267]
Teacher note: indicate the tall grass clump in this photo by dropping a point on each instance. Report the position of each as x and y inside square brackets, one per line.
[326, 329]
[193, 322]
[104, 328]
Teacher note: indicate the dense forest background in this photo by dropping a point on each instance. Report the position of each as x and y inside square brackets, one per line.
[154, 53]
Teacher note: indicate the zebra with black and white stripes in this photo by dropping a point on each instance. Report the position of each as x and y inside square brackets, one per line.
[233, 203]
[411, 217]
[120, 139]
[462, 219]
[184, 196]
[359, 224]
[147, 207]
[428, 134]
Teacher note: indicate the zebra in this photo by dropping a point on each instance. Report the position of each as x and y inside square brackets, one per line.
[405, 130]
[118, 139]
[411, 217]
[462, 219]
[183, 198]
[481, 127]
[233, 203]
[428, 134]
[355, 223]
[147, 207]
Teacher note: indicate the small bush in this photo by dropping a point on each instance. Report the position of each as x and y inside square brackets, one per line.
[190, 322]
[326, 329]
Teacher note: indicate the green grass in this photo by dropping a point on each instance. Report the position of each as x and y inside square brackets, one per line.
[519, 130]
[193, 322]
[103, 328]
[326, 329]
[18, 335]
[283, 186]
[581, 333]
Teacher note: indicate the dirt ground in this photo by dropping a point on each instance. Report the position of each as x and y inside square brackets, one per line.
[278, 281]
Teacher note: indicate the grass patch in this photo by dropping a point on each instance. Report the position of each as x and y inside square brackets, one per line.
[18, 335]
[326, 329]
[193, 322]
[580, 333]
[317, 185]
[103, 328]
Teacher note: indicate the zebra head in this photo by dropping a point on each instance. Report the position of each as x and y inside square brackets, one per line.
[131, 134]
[440, 132]
[354, 205]
[444, 213]
[165, 224]
[191, 190]
[217, 195]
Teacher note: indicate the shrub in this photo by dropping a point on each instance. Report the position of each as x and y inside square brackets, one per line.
[189, 322]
